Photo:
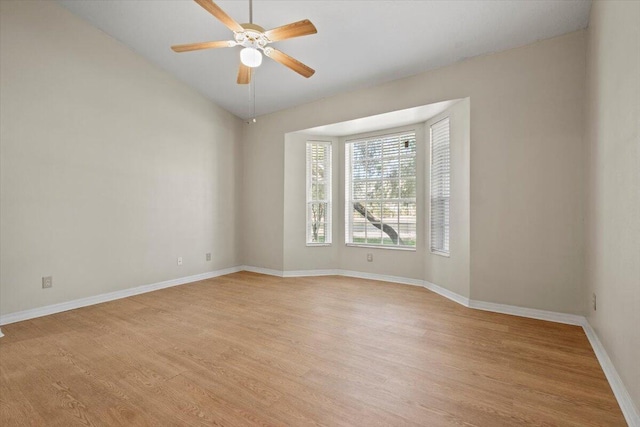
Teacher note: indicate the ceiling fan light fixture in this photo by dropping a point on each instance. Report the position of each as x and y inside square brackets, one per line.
[251, 57]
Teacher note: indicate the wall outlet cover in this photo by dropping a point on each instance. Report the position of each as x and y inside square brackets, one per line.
[47, 282]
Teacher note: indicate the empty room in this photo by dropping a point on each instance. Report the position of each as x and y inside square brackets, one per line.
[319, 212]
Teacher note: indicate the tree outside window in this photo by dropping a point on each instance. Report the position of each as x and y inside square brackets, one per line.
[318, 193]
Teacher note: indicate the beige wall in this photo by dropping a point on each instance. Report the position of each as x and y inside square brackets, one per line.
[297, 255]
[453, 272]
[613, 176]
[110, 168]
[526, 167]
[262, 196]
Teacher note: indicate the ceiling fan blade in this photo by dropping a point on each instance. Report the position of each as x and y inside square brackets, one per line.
[204, 45]
[289, 31]
[215, 10]
[290, 62]
[244, 74]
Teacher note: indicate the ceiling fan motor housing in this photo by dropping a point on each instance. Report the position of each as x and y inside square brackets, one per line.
[253, 36]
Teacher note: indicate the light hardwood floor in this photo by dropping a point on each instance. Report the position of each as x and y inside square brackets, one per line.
[248, 349]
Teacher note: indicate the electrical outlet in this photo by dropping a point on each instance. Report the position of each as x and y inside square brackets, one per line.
[594, 302]
[208, 256]
[179, 260]
[47, 282]
[369, 257]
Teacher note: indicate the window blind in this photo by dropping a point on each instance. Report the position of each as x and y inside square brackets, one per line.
[440, 173]
[318, 193]
[380, 184]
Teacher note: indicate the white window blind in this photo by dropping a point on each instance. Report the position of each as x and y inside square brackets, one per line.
[380, 183]
[318, 193]
[440, 186]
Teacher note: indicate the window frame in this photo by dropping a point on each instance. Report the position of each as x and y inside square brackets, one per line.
[348, 187]
[328, 223]
[447, 221]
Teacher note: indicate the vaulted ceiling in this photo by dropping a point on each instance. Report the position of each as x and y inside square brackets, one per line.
[359, 43]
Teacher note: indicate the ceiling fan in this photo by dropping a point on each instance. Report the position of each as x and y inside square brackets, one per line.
[254, 40]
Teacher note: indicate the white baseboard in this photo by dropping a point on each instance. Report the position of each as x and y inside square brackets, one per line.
[262, 270]
[629, 410]
[460, 299]
[6, 319]
[551, 316]
[381, 277]
[309, 273]
[1, 334]
[627, 405]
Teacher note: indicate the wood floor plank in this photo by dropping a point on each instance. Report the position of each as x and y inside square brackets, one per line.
[256, 350]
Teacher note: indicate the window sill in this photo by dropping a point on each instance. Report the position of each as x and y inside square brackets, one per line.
[315, 245]
[393, 248]
[442, 254]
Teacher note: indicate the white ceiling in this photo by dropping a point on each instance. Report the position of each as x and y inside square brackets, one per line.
[359, 43]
